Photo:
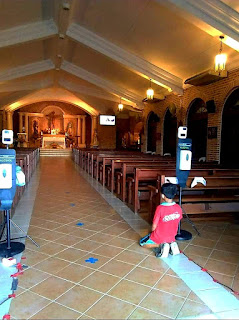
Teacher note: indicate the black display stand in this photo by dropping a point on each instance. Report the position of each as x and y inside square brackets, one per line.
[183, 234]
[9, 248]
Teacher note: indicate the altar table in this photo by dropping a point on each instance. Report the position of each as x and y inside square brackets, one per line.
[48, 139]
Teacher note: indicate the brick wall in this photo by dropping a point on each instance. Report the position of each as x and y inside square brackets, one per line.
[218, 91]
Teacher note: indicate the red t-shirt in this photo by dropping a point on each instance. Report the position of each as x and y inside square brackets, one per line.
[167, 217]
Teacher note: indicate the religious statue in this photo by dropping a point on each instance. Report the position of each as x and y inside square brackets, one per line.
[95, 139]
[35, 128]
[69, 129]
[51, 120]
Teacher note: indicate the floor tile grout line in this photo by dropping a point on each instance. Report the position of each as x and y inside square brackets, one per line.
[119, 213]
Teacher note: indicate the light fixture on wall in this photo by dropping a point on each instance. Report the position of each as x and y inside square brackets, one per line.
[220, 59]
[150, 92]
[120, 106]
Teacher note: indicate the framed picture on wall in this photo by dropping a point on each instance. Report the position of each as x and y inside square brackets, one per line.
[212, 133]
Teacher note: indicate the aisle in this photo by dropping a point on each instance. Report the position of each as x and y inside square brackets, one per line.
[90, 264]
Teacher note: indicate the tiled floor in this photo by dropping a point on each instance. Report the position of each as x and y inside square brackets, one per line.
[127, 281]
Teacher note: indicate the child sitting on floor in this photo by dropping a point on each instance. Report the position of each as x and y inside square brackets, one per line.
[165, 224]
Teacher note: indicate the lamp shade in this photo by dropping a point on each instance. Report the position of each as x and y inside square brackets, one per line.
[120, 106]
[220, 62]
[150, 94]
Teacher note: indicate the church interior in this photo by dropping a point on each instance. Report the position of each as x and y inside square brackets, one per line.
[95, 92]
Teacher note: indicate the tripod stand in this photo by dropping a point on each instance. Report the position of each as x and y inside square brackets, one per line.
[183, 234]
[8, 248]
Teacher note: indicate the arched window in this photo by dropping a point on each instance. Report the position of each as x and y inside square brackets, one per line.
[153, 120]
[197, 128]
[169, 133]
[230, 131]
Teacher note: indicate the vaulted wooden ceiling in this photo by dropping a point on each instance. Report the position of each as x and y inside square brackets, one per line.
[100, 50]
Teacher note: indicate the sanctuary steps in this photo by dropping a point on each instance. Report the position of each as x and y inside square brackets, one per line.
[55, 152]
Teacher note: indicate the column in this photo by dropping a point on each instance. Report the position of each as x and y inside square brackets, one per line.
[26, 126]
[4, 120]
[20, 121]
[93, 127]
[9, 120]
[1, 121]
[83, 130]
[79, 130]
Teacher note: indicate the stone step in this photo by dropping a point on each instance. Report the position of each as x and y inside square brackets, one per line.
[55, 152]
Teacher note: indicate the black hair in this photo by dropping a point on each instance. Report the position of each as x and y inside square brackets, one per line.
[169, 190]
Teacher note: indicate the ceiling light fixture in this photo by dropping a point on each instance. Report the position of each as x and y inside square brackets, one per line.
[150, 92]
[66, 6]
[220, 59]
[120, 106]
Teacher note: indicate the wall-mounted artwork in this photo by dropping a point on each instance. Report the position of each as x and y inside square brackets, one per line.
[212, 133]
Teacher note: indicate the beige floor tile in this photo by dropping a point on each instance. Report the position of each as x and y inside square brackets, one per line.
[140, 313]
[79, 298]
[192, 309]
[68, 240]
[110, 308]
[30, 245]
[56, 311]
[137, 248]
[100, 281]
[74, 272]
[227, 247]
[158, 301]
[121, 243]
[87, 245]
[95, 227]
[225, 256]
[52, 265]
[173, 285]
[26, 305]
[131, 257]
[132, 235]
[228, 269]
[71, 254]
[117, 268]
[51, 248]
[198, 241]
[198, 251]
[52, 287]
[101, 238]
[108, 251]
[51, 235]
[144, 276]
[31, 277]
[129, 291]
[154, 264]
[33, 257]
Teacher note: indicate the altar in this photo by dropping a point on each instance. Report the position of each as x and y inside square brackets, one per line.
[53, 141]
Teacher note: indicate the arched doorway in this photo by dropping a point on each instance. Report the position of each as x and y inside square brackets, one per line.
[197, 128]
[230, 131]
[169, 133]
[153, 120]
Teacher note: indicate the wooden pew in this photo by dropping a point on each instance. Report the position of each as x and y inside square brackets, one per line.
[222, 187]
[151, 175]
[127, 168]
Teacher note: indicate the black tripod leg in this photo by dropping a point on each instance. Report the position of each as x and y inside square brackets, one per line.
[190, 221]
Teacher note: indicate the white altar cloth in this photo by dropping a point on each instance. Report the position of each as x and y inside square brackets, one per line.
[48, 139]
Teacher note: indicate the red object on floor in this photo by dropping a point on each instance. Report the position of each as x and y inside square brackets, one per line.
[6, 317]
[236, 293]
[23, 258]
[17, 274]
[204, 270]
[214, 280]
[19, 266]
[12, 295]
